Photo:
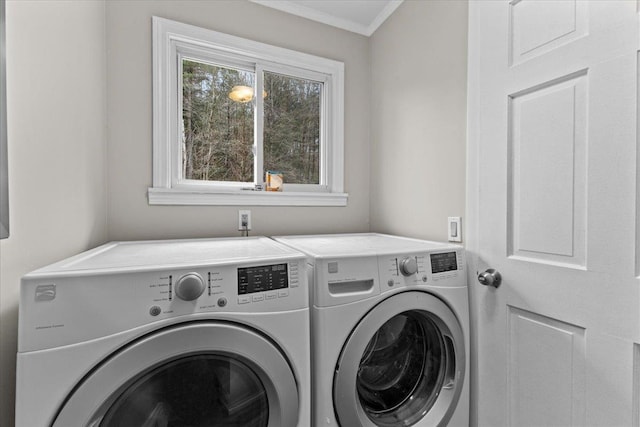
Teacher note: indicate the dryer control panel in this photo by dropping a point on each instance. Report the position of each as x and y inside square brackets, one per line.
[265, 287]
[64, 310]
[263, 278]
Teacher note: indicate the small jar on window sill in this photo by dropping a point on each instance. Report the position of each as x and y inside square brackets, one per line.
[274, 180]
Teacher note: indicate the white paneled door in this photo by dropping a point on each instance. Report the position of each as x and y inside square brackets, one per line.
[552, 206]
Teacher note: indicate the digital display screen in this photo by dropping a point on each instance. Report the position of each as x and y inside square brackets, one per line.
[443, 262]
[262, 278]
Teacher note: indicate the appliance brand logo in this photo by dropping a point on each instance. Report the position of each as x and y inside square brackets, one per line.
[46, 292]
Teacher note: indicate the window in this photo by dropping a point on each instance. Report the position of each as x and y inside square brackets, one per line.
[214, 139]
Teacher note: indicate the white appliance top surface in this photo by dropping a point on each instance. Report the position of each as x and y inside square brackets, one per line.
[359, 244]
[164, 253]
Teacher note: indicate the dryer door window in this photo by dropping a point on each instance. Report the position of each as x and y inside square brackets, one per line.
[200, 390]
[191, 375]
[405, 362]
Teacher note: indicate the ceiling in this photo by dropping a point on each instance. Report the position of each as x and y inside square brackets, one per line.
[359, 16]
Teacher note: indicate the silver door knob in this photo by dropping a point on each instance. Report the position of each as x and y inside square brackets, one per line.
[490, 277]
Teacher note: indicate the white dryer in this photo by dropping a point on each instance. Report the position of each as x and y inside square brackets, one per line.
[166, 333]
[390, 331]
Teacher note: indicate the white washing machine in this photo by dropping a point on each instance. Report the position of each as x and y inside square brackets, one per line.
[390, 331]
[167, 333]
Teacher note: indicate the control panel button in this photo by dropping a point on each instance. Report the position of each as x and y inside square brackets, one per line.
[272, 295]
[155, 310]
[390, 282]
[258, 298]
[283, 293]
[245, 299]
[189, 287]
[222, 302]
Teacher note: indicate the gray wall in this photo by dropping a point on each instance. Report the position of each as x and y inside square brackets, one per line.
[129, 120]
[56, 75]
[418, 119]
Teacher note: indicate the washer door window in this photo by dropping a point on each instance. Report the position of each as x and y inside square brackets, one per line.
[402, 365]
[194, 375]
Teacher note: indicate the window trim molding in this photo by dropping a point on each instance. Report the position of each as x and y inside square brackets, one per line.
[170, 196]
[168, 37]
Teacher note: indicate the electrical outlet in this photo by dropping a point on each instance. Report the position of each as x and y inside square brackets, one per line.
[244, 220]
[454, 229]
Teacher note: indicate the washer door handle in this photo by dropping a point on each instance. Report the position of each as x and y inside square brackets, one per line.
[490, 277]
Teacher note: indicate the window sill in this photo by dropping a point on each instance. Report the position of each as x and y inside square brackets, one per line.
[168, 196]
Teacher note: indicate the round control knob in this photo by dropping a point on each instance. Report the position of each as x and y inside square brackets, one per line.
[408, 266]
[189, 287]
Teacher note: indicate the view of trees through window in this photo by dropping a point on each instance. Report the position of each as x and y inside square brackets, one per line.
[218, 130]
[292, 128]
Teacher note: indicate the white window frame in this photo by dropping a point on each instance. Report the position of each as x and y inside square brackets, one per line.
[173, 41]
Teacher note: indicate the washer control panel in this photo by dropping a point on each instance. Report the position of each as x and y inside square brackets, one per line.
[344, 280]
[442, 268]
